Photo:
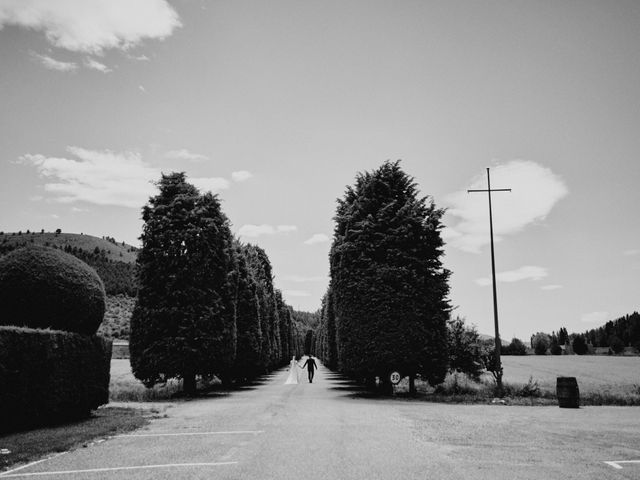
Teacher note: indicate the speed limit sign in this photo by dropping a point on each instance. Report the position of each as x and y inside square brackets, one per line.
[395, 377]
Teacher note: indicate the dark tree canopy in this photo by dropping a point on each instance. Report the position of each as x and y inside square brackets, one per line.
[183, 323]
[389, 286]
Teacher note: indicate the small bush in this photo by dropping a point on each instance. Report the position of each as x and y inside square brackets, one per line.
[556, 349]
[43, 287]
[540, 343]
[579, 345]
[49, 376]
[516, 347]
[616, 345]
[530, 389]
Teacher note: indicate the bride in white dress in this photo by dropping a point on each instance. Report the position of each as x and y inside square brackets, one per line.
[294, 370]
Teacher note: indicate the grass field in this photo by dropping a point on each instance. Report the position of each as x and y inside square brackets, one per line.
[595, 374]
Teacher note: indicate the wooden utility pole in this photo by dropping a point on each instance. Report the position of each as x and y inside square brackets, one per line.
[498, 365]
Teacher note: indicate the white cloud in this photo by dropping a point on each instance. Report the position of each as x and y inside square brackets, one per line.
[184, 154]
[98, 177]
[535, 191]
[296, 293]
[92, 26]
[211, 184]
[241, 176]
[317, 238]
[53, 64]
[79, 210]
[551, 287]
[303, 279]
[105, 177]
[527, 272]
[95, 65]
[253, 231]
[139, 58]
[595, 317]
[142, 89]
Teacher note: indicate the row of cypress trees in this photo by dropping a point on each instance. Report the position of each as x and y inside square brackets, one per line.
[206, 303]
[386, 308]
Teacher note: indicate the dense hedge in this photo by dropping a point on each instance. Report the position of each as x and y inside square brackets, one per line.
[43, 287]
[48, 376]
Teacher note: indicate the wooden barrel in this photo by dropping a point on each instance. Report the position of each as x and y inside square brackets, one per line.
[567, 392]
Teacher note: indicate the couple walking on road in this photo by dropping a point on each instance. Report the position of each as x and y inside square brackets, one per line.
[294, 370]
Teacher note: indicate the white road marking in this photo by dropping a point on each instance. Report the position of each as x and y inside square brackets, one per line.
[183, 434]
[115, 469]
[617, 463]
[3, 474]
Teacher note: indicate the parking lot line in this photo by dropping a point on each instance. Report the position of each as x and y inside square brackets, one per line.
[116, 469]
[182, 434]
[617, 463]
[3, 474]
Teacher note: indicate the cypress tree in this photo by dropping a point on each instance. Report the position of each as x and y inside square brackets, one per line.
[247, 310]
[328, 331]
[183, 323]
[285, 328]
[260, 266]
[389, 286]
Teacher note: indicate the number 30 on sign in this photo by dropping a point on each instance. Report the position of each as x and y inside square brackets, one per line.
[395, 377]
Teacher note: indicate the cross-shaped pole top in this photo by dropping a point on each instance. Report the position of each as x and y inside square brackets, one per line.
[498, 343]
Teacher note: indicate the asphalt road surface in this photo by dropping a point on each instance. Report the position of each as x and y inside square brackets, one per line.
[327, 430]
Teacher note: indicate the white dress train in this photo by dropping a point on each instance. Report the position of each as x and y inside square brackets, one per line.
[294, 368]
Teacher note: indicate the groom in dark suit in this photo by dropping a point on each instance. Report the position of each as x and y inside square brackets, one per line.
[311, 366]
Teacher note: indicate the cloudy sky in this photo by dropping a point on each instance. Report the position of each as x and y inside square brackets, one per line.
[277, 105]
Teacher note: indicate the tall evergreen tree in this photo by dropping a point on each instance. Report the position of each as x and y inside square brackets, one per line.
[260, 266]
[285, 319]
[330, 345]
[183, 323]
[247, 308]
[390, 288]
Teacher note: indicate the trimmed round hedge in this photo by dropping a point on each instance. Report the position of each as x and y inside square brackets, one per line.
[43, 287]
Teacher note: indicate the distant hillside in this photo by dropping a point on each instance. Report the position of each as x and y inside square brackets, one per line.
[114, 262]
[488, 339]
[112, 250]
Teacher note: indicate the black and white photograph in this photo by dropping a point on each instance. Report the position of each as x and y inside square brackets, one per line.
[320, 239]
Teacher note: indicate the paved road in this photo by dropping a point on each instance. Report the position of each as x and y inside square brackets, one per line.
[325, 430]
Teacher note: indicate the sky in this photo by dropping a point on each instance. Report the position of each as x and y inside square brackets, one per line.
[276, 106]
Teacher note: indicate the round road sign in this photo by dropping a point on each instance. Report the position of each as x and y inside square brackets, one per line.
[395, 377]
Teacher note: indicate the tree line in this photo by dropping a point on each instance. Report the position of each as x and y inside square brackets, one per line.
[615, 335]
[206, 304]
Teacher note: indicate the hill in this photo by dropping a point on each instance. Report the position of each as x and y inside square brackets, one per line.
[108, 246]
[114, 262]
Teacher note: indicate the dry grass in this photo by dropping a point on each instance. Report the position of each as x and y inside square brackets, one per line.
[124, 387]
